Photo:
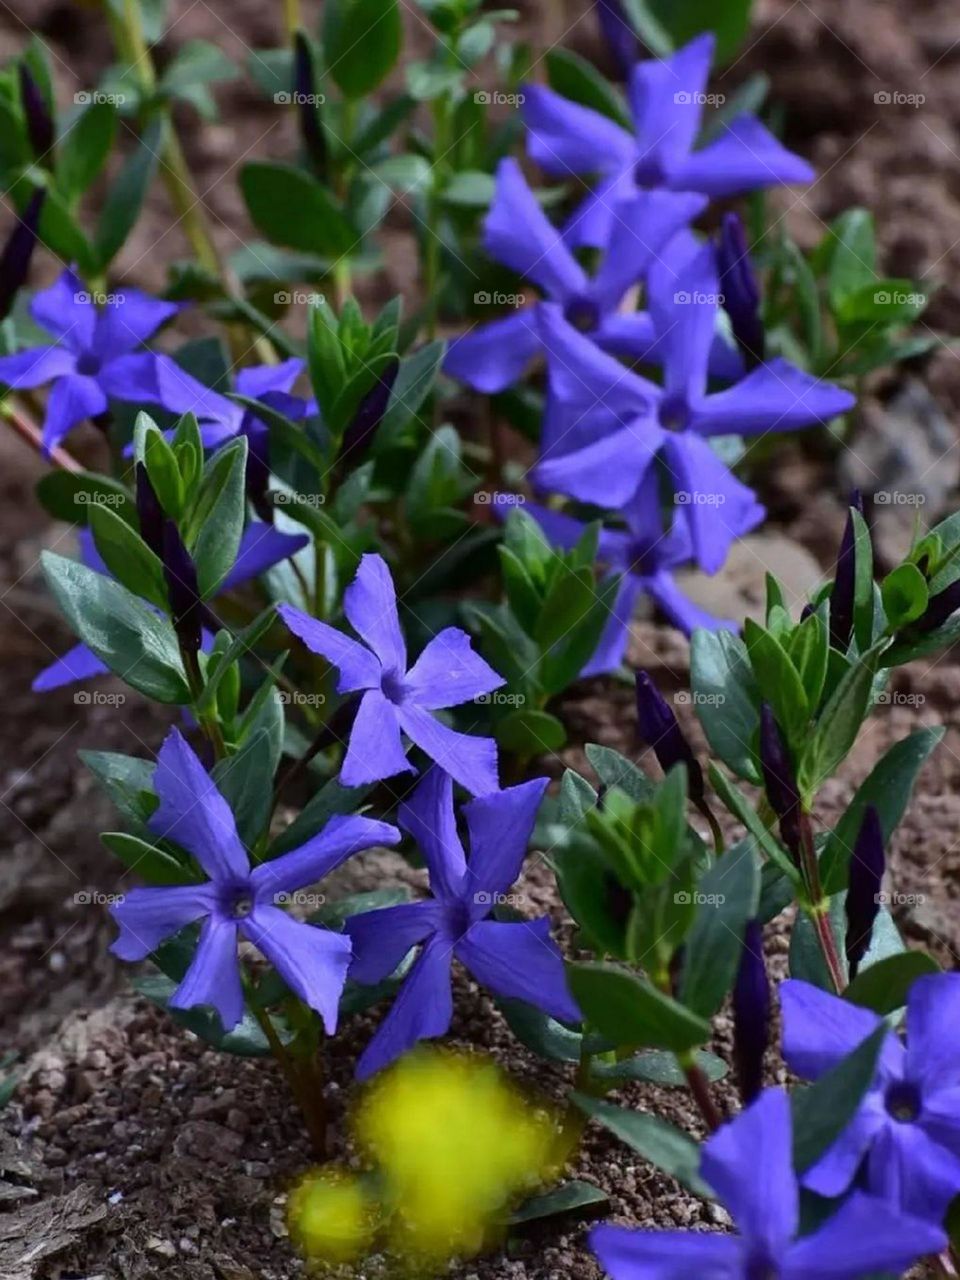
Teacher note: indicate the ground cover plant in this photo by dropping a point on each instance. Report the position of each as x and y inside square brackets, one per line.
[361, 554]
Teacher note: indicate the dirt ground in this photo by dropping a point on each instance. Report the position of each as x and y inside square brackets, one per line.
[130, 1150]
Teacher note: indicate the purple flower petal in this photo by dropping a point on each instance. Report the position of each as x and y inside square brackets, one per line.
[666, 97]
[520, 235]
[342, 837]
[469, 760]
[639, 231]
[865, 1236]
[123, 326]
[565, 138]
[820, 1029]
[146, 917]
[131, 377]
[358, 668]
[500, 826]
[775, 396]
[78, 663]
[837, 1168]
[261, 547]
[257, 380]
[375, 749]
[744, 157]
[626, 1254]
[313, 962]
[428, 816]
[612, 646]
[629, 333]
[214, 974]
[933, 1030]
[591, 223]
[382, 938]
[66, 310]
[718, 508]
[423, 1009]
[686, 319]
[71, 400]
[682, 612]
[194, 813]
[521, 962]
[448, 672]
[493, 356]
[36, 367]
[370, 603]
[606, 472]
[748, 1162]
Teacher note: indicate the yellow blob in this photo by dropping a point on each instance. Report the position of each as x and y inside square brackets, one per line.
[330, 1217]
[454, 1144]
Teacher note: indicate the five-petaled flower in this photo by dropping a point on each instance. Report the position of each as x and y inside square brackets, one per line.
[667, 98]
[396, 699]
[748, 1163]
[517, 960]
[236, 899]
[99, 357]
[518, 233]
[906, 1132]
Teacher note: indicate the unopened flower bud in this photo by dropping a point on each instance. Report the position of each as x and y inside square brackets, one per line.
[844, 582]
[660, 730]
[780, 782]
[867, 865]
[741, 291]
[751, 1013]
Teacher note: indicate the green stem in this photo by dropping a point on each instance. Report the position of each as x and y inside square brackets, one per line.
[699, 1087]
[307, 1093]
[719, 844]
[291, 18]
[209, 724]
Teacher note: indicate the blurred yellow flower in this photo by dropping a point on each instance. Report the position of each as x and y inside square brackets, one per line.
[330, 1216]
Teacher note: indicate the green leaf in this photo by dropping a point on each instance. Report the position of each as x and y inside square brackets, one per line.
[361, 42]
[127, 780]
[905, 595]
[808, 649]
[245, 780]
[741, 808]
[575, 78]
[293, 209]
[852, 255]
[568, 1200]
[126, 195]
[823, 1110]
[86, 150]
[128, 557]
[728, 896]
[243, 642]
[530, 733]
[888, 788]
[71, 496]
[726, 698]
[219, 517]
[589, 892]
[122, 630]
[884, 986]
[664, 1146]
[615, 770]
[729, 21]
[156, 866]
[332, 799]
[472, 189]
[246, 1040]
[778, 680]
[806, 956]
[838, 725]
[414, 382]
[629, 1011]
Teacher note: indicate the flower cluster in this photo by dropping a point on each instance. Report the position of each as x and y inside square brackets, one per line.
[613, 440]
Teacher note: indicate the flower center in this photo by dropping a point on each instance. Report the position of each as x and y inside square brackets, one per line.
[903, 1102]
[582, 314]
[648, 172]
[761, 1268]
[88, 364]
[674, 414]
[240, 904]
[391, 682]
[642, 559]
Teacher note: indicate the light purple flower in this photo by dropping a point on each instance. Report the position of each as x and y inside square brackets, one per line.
[518, 233]
[645, 554]
[748, 1164]
[605, 424]
[236, 899]
[906, 1133]
[666, 99]
[99, 356]
[515, 960]
[261, 547]
[397, 700]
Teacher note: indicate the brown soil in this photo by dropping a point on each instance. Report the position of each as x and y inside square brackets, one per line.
[130, 1149]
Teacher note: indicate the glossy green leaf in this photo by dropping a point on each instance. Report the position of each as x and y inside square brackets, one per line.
[884, 986]
[663, 1145]
[728, 896]
[726, 698]
[629, 1011]
[823, 1110]
[293, 209]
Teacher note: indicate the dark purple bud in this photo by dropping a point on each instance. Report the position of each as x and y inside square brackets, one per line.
[369, 414]
[751, 1013]
[619, 35]
[779, 782]
[258, 465]
[39, 120]
[844, 582]
[939, 609]
[149, 512]
[17, 252]
[867, 865]
[305, 97]
[660, 730]
[806, 611]
[183, 592]
[740, 290]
